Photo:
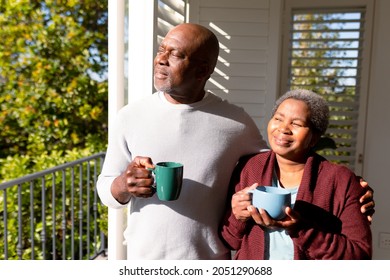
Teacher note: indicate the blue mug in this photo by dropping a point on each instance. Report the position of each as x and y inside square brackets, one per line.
[272, 199]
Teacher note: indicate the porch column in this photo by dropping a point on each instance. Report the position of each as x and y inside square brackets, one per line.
[142, 46]
[116, 94]
[140, 37]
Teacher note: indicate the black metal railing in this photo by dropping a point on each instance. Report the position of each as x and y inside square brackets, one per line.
[53, 214]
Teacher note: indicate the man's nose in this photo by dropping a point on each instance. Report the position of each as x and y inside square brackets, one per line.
[162, 58]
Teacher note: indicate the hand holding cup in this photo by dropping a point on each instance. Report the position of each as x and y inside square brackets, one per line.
[272, 199]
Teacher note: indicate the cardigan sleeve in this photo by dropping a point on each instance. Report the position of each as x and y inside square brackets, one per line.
[352, 239]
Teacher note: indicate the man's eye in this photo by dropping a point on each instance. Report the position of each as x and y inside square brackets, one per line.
[176, 54]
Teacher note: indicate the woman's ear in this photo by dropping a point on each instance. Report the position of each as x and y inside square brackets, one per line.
[314, 140]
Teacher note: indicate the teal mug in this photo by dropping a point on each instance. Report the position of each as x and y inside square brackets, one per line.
[272, 199]
[168, 180]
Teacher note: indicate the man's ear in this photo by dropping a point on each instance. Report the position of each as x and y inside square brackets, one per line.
[203, 71]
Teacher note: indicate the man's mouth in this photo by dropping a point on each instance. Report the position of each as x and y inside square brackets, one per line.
[160, 74]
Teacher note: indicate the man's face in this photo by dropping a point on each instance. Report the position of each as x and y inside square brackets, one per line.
[175, 65]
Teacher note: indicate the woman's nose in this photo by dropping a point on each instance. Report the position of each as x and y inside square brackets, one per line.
[283, 128]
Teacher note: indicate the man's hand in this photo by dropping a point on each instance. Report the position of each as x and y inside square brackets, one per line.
[368, 207]
[136, 181]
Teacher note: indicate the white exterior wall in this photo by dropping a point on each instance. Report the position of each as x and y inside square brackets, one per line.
[247, 67]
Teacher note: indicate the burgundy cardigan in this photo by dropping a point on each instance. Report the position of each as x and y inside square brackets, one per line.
[328, 198]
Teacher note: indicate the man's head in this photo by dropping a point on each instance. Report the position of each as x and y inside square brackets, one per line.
[184, 62]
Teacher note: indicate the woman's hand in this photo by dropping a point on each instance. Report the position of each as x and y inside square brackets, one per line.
[240, 202]
[262, 218]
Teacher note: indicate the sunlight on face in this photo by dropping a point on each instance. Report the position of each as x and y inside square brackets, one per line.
[289, 132]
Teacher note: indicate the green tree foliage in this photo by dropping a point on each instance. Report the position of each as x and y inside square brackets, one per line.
[53, 89]
[53, 98]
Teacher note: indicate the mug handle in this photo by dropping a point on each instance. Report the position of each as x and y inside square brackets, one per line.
[152, 171]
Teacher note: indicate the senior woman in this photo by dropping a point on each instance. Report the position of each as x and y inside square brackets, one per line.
[324, 221]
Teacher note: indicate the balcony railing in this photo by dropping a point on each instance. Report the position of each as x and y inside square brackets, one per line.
[53, 214]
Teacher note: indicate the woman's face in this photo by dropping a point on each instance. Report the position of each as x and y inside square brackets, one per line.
[289, 133]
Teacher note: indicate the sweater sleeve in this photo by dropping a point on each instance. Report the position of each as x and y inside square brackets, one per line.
[117, 158]
[351, 239]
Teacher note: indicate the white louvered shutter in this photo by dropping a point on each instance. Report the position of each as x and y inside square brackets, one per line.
[326, 51]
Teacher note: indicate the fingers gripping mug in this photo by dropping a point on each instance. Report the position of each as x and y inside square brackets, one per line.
[272, 199]
[168, 178]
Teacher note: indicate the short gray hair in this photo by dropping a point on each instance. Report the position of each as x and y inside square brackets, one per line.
[319, 108]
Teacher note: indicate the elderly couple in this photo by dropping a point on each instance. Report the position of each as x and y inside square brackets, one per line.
[224, 156]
